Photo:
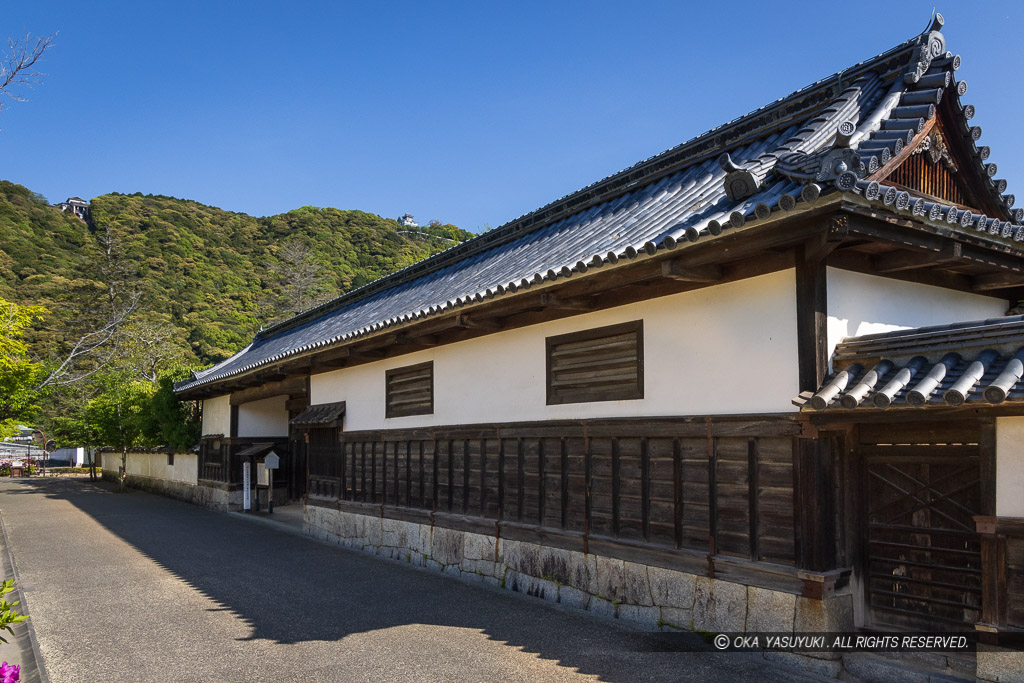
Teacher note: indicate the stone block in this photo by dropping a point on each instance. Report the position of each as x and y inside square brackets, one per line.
[479, 547]
[1000, 665]
[492, 581]
[482, 567]
[610, 578]
[522, 557]
[646, 617]
[670, 588]
[452, 570]
[637, 587]
[446, 545]
[573, 597]
[602, 608]
[719, 606]
[832, 614]
[677, 618]
[433, 565]
[532, 586]
[769, 610]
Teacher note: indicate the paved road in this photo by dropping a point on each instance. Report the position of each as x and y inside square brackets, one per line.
[135, 587]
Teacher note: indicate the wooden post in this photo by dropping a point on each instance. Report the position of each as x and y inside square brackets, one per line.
[993, 571]
[811, 320]
[815, 500]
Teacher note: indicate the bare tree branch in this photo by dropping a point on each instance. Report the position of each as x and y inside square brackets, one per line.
[17, 65]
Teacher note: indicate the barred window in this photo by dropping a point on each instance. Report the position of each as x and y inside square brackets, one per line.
[410, 390]
[603, 364]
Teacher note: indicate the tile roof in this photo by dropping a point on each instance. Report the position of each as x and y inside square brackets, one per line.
[826, 137]
[319, 415]
[975, 364]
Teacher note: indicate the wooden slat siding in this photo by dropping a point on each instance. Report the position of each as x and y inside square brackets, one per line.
[677, 493]
[421, 474]
[696, 488]
[602, 491]
[409, 390]
[753, 499]
[603, 364]
[1013, 570]
[645, 489]
[483, 477]
[576, 476]
[564, 468]
[616, 483]
[661, 491]
[436, 462]
[450, 487]
[712, 493]
[520, 480]
[670, 491]
[775, 514]
[935, 179]
[733, 507]
[631, 489]
[466, 470]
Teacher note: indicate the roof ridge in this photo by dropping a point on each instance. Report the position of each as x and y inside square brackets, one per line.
[757, 123]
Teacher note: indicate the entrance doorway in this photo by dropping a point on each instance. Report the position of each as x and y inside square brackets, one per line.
[920, 559]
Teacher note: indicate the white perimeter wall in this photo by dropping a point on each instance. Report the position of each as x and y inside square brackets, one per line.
[217, 415]
[1010, 466]
[724, 349]
[267, 417]
[154, 465]
[867, 304]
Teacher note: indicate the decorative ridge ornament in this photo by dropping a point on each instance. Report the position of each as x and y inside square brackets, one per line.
[739, 182]
[934, 145]
[932, 46]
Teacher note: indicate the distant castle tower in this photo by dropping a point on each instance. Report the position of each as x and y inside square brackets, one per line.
[77, 206]
[407, 221]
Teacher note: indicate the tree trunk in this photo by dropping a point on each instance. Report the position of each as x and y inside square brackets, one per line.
[92, 464]
[124, 467]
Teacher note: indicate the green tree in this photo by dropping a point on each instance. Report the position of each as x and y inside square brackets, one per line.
[17, 371]
[117, 414]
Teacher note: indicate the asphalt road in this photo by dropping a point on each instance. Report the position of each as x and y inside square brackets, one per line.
[135, 587]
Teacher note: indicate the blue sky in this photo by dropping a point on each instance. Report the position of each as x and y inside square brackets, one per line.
[471, 113]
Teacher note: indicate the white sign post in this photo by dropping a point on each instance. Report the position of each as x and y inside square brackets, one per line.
[246, 488]
[271, 463]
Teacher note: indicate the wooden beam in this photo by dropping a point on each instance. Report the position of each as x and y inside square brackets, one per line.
[909, 260]
[294, 385]
[463, 320]
[1001, 280]
[548, 300]
[811, 325]
[675, 270]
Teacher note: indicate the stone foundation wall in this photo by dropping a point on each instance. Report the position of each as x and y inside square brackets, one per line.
[648, 596]
[205, 496]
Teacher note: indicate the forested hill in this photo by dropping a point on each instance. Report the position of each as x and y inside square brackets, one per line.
[206, 279]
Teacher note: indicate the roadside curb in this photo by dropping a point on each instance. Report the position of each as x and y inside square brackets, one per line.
[30, 655]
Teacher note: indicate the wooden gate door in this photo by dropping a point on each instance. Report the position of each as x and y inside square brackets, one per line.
[921, 556]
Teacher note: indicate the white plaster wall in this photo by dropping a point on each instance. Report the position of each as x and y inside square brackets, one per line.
[267, 417]
[867, 304]
[718, 350]
[154, 465]
[217, 415]
[1010, 466]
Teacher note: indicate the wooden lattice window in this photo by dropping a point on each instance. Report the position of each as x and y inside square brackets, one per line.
[410, 390]
[603, 364]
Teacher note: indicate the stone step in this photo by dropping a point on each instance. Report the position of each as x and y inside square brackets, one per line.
[909, 667]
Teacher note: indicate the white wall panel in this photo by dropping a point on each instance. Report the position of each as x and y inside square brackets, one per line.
[727, 349]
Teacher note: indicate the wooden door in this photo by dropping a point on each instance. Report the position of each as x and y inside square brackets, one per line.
[921, 556]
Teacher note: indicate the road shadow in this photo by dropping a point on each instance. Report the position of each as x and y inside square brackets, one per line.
[291, 589]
